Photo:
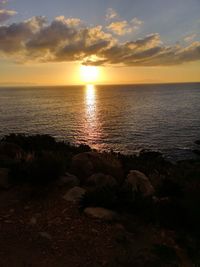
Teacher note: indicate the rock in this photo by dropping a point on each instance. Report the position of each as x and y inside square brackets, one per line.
[11, 210]
[101, 180]
[74, 194]
[140, 183]
[100, 213]
[8, 221]
[69, 180]
[33, 220]
[4, 178]
[45, 235]
[87, 163]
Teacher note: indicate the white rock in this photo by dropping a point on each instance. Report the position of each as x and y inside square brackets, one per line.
[74, 194]
[100, 213]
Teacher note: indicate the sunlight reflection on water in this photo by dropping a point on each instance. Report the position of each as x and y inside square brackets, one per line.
[90, 94]
[92, 128]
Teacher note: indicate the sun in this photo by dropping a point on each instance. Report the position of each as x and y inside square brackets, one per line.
[89, 74]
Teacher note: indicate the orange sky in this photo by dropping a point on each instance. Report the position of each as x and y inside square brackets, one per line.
[128, 41]
[69, 73]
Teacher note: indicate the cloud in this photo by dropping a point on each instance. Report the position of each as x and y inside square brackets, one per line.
[111, 14]
[119, 27]
[124, 27]
[3, 2]
[148, 51]
[136, 23]
[73, 22]
[13, 37]
[68, 39]
[6, 14]
[190, 38]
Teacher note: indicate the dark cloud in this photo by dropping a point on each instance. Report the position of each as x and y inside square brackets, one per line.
[13, 38]
[70, 40]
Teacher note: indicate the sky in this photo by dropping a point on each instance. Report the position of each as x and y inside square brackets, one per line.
[129, 41]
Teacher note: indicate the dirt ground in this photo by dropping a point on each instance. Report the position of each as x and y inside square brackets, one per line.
[39, 228]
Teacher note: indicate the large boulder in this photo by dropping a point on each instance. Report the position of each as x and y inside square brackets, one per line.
[87, 163]
[139, 182]
[101, 180]
[4, 178]
[100, 213]
[74, 194]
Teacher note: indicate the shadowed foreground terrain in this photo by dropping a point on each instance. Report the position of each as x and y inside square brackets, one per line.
[62, 205]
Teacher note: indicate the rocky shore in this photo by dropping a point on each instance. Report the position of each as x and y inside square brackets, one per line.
[64, 205]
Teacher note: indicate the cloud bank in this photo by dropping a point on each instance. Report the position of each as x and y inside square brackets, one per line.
[68, 39]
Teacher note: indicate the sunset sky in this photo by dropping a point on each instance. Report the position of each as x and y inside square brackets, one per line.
[130, 41]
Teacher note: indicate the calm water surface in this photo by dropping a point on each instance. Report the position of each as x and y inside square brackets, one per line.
[123, 118]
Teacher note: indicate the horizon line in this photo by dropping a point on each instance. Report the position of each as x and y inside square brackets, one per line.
[95, 84]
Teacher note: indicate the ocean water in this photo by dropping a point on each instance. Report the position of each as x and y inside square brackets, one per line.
[124, 118]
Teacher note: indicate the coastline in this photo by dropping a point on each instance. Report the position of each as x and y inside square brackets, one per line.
[129, 202]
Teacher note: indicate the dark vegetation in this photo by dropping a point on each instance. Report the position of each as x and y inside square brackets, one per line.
[36, 159]
[40, 160]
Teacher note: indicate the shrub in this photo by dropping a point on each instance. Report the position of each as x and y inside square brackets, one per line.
[40, 142]
[148, 162]
[46, 167]
[32, 142]
[166, 254]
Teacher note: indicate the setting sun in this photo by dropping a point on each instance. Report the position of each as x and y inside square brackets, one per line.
[89, 74]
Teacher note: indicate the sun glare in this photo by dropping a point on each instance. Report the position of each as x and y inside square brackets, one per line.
[89, 74]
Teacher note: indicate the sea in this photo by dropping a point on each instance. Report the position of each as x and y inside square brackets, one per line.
[122, 118]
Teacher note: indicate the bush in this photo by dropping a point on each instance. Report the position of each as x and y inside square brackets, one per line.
[166, 254]
[50, 158]
[32, 142]
[40, 142]
[46, 167]
[148, 162]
